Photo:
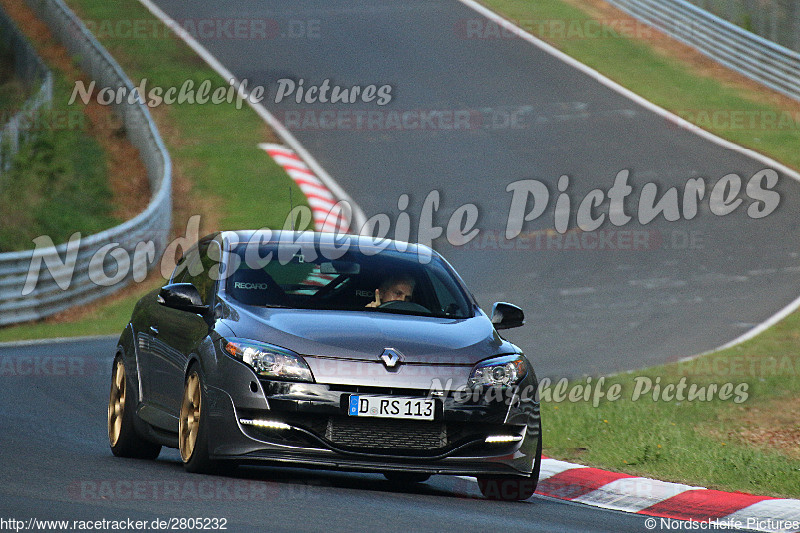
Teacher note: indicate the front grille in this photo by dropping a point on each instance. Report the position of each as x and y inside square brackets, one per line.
[386, 434]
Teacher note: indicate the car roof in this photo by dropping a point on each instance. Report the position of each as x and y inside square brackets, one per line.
[322, 239]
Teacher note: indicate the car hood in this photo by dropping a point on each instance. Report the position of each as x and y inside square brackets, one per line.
[363, 336]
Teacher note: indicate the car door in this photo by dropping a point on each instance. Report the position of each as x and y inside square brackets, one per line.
[141, 322]
[146, 322]
[176, 333]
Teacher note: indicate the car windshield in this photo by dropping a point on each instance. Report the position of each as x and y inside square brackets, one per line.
[388, 281]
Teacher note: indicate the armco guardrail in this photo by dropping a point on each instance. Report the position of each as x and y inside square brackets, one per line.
[34, 74]
[151, 226]
[769, 63]
[776, 20]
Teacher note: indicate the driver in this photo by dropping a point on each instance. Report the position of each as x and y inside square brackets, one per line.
[394, 288]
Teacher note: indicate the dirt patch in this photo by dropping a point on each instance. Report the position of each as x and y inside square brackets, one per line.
[775, 425]
[772, 425]
[127, 176]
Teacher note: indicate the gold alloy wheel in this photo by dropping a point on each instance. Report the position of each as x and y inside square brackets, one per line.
[116, 402]
[190, 417]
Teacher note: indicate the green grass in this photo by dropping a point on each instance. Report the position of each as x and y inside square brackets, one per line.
[693, 442]
[12, 96]
[12, 91]
[54, 176]
[109, 318]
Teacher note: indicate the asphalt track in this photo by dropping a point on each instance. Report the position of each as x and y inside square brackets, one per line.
[588, 310]
[56, 465]
[693, 286]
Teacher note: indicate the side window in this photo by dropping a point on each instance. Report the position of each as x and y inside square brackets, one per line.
[197, 272]
[179, 273]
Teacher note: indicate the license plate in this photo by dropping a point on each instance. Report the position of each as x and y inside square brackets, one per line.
[391, 407]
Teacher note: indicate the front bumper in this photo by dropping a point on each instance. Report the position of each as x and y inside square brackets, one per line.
[307, 424]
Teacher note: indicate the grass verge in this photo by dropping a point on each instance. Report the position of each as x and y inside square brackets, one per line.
[213, 146]
[219, 173]
[55, 175]
[733, 428]
[748, 441]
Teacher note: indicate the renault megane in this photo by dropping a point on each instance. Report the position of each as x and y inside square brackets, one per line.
[326, 351]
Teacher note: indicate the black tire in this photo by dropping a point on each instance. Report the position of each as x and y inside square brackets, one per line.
[122, 435]
[406, 478]
[513, 488]
[193, 417]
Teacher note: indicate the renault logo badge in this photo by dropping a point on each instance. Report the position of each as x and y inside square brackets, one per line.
[391, 357]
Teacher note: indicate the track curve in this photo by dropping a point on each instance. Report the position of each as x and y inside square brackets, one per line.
[695, 285]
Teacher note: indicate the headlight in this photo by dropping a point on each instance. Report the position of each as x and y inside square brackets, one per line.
[504, 371]
[268, 360]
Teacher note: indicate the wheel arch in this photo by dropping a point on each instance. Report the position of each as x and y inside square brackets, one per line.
[128, 350]
[205, 356]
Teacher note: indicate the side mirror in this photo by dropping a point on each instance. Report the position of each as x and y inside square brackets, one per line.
[505, 315]
[182, 296]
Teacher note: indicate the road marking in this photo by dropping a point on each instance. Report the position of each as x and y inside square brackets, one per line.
[56, 340]
[633, 494]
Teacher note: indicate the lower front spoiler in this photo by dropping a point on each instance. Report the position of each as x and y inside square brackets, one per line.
[228, 442]
[457, 468]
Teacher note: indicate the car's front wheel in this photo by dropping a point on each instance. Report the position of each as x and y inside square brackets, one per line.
[513, 488]
[193, 425]
[122, 435]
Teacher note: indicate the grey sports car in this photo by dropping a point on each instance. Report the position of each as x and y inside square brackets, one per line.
[327, 351]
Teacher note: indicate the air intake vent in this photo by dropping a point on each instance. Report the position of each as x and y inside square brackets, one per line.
[386, 434]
